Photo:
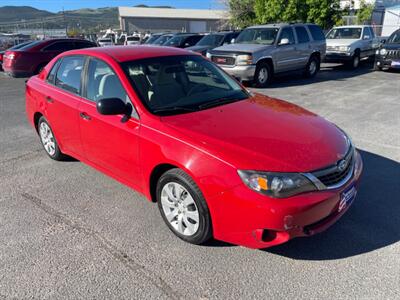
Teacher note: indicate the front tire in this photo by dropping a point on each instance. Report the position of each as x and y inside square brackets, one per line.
[263, 75]
[183, 207]
[49, 141]
[355, 61]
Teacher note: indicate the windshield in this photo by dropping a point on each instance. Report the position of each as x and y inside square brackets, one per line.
[211, 40]
[178, 84]
[345, 33]
[175, 41]
[394, 38]
[264, 36]
[153, 38]
[162, 39]
[29, 45]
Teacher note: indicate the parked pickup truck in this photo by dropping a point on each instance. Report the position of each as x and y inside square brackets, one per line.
[350, 44]
[259, 52]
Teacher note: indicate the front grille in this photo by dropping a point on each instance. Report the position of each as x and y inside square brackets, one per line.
[333, 175]
[223, 60]
[393, 54]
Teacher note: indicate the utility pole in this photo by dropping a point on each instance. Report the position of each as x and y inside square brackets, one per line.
[65, 22]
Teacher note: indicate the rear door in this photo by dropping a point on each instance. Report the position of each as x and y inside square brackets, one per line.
[109, 142]
[61, 98]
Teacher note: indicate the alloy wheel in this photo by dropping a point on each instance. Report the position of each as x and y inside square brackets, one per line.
[180, 209]
[263, 75]
[47, 138]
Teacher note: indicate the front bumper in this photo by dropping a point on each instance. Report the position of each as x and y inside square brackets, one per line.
[386, 63]
[244, 217]
[242, 73]
[338, 57]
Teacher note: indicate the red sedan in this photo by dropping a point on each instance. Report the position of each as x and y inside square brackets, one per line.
[34, 56]
[219, 160]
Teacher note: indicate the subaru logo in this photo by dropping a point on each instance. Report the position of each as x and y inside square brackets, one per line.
[342, 165]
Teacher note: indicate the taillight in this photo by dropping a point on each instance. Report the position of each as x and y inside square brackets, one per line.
[1, 56]
[12, 55]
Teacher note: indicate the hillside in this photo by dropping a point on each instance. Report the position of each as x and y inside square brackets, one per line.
[18, 13]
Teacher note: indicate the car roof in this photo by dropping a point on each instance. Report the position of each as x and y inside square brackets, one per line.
[278, 25]
[352, 26]
[128, 53]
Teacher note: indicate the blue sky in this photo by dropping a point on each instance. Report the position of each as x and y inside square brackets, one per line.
[57, 5]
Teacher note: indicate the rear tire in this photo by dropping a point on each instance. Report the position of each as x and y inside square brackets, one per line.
[183, 207]
[49, 141]
[312, 67]
[263, 75]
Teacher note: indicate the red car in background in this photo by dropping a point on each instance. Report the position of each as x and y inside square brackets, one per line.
[12, 48]
[33, 57]
[219, 160]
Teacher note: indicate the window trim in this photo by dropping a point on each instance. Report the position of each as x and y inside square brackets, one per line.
[81, 81]
[85, 72]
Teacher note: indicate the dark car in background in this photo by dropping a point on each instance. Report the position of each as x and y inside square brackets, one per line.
[183, 40]
[162, 39]
[214, 40]
[32, 58]
[388, 55]
[10, 49]
[153, 37]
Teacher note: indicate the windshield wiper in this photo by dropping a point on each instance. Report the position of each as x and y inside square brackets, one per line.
[220, 101]
[173, 109]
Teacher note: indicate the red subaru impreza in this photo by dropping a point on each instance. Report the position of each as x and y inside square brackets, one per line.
[220, 161]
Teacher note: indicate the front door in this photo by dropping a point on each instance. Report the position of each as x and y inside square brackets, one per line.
[109, 142]
[286, 55]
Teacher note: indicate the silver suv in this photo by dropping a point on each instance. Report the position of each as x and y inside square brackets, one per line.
[350, 44]
[259, 52]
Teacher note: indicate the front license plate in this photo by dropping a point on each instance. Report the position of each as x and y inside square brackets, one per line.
[395, 64]
[347, 197]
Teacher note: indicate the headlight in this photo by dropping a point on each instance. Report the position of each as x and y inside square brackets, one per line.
[344, 48]
[277, 185]
[383, 51]
[208, 55]
[242, 60]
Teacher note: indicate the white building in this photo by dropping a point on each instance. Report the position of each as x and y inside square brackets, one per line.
[355, 4]
[391, 21]
[171, 19]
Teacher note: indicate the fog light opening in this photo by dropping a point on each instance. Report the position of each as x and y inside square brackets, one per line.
[268, 235]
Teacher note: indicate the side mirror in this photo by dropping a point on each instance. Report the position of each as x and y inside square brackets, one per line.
[232, 41]
[186, 45]
[367, 37]
[112, 106]
[383, 41]
[284, 42]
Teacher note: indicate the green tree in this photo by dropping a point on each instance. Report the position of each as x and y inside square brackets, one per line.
[364, 14]
[242, 13]
[325, 13]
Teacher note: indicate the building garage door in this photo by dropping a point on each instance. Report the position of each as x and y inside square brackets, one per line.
[198, 26]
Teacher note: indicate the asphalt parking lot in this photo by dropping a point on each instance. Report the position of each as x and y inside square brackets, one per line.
[68, 231]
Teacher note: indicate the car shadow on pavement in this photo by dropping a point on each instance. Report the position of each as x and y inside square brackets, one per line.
[371, 223]
[328, 72]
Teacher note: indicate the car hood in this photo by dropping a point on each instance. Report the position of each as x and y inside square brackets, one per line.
[199, 48]
[392, 46]
[248, 48]
[262, 133]
[340, 42]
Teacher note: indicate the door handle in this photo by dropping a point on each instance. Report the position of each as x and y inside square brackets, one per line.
[85, 116]
[49, 99]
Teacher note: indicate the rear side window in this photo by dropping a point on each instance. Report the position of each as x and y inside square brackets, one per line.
[83, 44]
[52, 74]
[191, 41]
[302, 35]
[316, 32]
[69, 74]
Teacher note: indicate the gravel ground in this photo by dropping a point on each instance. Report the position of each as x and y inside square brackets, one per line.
[67, 231]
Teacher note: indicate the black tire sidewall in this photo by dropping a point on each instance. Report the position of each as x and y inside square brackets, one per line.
[204, 231]
[318, 65]
[258, 68]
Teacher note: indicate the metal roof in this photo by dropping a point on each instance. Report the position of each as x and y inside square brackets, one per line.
[172, 13]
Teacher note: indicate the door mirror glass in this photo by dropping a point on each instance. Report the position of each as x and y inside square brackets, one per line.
[366, 37]
[232, 41]
[284, 41]
[112, 106]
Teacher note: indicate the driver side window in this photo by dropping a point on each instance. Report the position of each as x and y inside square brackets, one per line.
[287, 33]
